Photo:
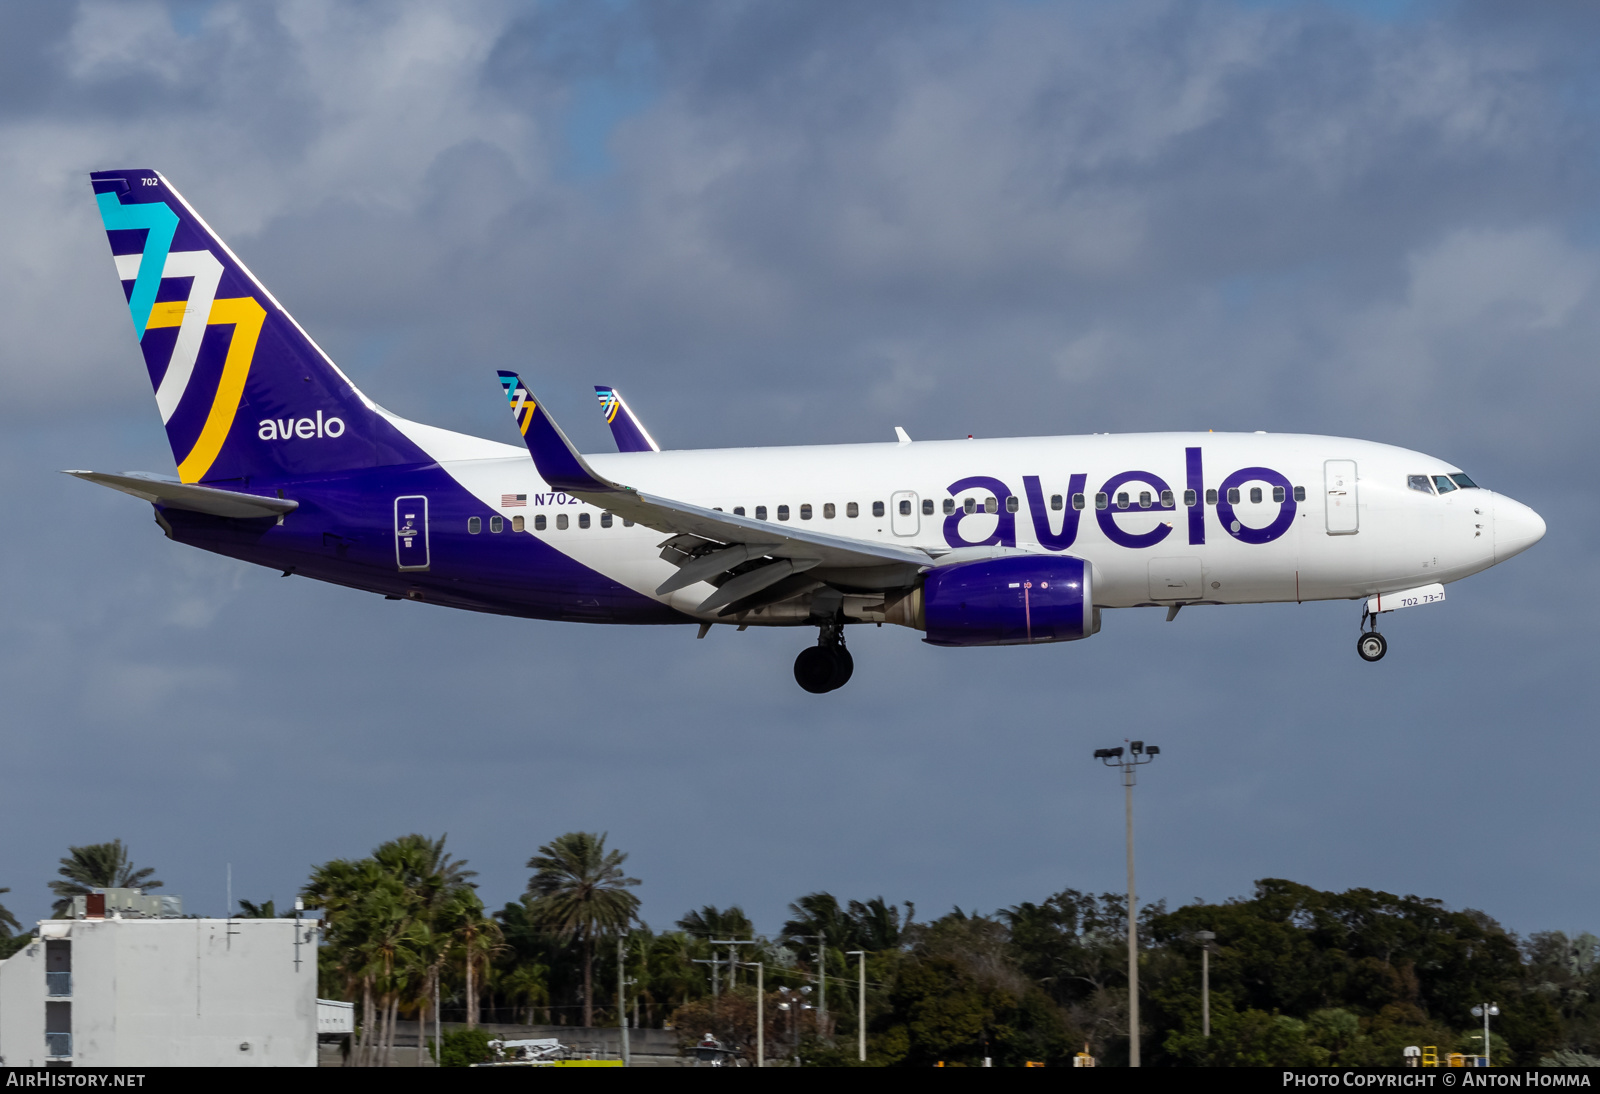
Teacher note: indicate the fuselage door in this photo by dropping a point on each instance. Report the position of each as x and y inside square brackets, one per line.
[903, 516]
[1340, 482]
[411, 532]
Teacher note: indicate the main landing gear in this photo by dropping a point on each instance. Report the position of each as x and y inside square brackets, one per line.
[827, 665]
[1371, 645]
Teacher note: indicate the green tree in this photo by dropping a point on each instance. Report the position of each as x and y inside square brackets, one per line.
[8, 922]
[579, 891]
[97, 866]
[249, 910]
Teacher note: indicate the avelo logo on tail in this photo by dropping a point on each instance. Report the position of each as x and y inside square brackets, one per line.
[148, 267]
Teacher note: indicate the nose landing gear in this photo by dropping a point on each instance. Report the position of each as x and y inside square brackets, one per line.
[1371, 645]
[827, 666]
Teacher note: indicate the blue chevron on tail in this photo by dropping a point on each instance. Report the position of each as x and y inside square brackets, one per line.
[629, 433]
[242, 390]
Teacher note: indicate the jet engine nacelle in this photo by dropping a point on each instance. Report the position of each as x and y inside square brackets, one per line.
[1006, 601]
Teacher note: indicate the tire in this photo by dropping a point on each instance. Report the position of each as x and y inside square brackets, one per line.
[1372, 646]
[843, 667]
[814, 670]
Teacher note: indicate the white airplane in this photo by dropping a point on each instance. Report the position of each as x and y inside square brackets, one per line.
[282, 462]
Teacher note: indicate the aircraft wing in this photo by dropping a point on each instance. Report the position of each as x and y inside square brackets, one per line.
[728, 540]
[172, 494]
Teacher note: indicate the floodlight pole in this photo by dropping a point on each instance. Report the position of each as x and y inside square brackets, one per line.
[761, 1017]
[1138, 755]
[1206, 939]
[861, 1005]
[1485, 1009]
[622, 998]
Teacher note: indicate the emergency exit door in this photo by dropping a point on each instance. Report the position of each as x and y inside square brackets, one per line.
[411, 532]
[1344, 517]
[903, 516]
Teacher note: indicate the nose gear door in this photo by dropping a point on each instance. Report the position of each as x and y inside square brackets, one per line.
[411, 532]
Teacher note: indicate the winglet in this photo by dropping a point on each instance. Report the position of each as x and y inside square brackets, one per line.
[558, 462]
[626, 428]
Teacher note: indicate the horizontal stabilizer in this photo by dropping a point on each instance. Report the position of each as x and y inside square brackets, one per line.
[171, 494]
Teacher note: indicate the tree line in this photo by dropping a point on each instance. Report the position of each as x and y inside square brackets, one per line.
[1298, 976]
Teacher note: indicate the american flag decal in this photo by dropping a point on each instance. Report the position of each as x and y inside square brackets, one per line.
[508, 501]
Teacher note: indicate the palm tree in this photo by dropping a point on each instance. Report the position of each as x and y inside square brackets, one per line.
[250, 910]
[97, 866]
[578, 890]
[8, 922]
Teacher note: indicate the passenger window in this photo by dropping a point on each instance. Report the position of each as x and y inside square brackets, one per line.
[905, 507]
[877, 508]
[625, 524]
[1233, 496]
[738, 510]
[1211, 497]
[1189, 498]
[496, 524]
[969, 505]
[1077, 501]
[949, 506]
[1255, 495]
[1299, 493]
[1055, 501]
[761, 512]
[1443, 483]
[1099, 501]
[605, 520]
[1144, 499]
[474, 525]
[851, 509]
[1012, 504]
[538, 522]
[828, 511]
[1463, 482]
[517, 524]
[561, 522]
[1277, 493]
[927, 507]
[805, 512]
[991, 505]
[1419, 482]
[583, 520]
[783, 512]
[1122, 499]
[1166, 499]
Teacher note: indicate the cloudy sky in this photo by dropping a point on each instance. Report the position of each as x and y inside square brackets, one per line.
[781, 223]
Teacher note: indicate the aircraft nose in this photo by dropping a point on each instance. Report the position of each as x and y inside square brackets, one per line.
[1516, 527]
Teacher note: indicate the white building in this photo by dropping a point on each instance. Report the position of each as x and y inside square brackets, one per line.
[128, 991]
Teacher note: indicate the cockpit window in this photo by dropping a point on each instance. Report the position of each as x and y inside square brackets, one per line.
[1419, 482]
[1443, 483]
[1463, 482]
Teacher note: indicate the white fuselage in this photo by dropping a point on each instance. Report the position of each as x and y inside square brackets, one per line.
[1346, 539]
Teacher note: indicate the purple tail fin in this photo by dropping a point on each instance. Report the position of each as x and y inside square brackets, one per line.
[628, 431]
[243, 391]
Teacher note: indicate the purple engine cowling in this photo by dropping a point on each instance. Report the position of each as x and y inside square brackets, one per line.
[1009, 601]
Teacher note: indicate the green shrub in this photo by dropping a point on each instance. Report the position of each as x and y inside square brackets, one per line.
[463, 1048]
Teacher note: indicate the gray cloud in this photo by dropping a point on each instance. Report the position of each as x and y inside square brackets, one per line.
[815, 222]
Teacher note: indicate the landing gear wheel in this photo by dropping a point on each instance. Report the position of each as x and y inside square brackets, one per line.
[843, 666]
[1372, 646]
[827, 666]
[815, 668]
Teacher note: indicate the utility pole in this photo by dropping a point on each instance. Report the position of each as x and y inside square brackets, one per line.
[761, 1016]
[1207, 940]
[861, 1005]
[622, 998]
[1112, 757]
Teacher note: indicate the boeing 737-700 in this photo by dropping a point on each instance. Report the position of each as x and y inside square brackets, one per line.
[282, 462]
